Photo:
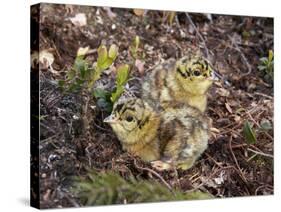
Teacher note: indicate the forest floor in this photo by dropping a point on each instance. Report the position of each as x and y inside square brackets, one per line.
[230, 167]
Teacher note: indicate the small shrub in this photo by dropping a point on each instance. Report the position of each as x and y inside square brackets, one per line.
[82, 75]
[107, 188]
[106, 99]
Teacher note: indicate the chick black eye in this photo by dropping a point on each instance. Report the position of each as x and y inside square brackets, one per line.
[129, 118]
[196, 73]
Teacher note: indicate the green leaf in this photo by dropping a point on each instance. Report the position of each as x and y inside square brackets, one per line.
[71, 74]
[115, 95]
[106, 64]
[61, 83]
[246, 34]
[88, 73]
[249, 133]
[74, 87]
[264, 60]
[171, 17]
[113, 51]
[134, 47]
[100, 93]
[261, 68]
[83, 73]
[79, 81]
[270, 55]
[121, 80]
[102, 55]
[105, 105]
[80, 64]
[133, 52]
[265, 125]
[42, 117]
[94, 77]
[122, 74]
[105, 59]
[137, 42]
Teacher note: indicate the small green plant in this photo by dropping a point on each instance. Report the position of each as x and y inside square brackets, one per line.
[249, 133]
[169, 16]
[134, 48]
[110, 188]
[104, 61]
[82, 74]
[106, 99]
[267, 66]
[137, 55]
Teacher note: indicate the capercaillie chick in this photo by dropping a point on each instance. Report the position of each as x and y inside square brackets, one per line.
[173, 138]
[185, 80]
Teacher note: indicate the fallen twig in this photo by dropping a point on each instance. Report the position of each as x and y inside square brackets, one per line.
[47, 127]
[263, 95]
[245, 60]
[219, 164]
[155, 174]
[199, 34]
[260, 153]
[263, 186]
[235, 160]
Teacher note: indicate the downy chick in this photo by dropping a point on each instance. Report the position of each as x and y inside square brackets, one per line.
[186, 80]
[173, 138]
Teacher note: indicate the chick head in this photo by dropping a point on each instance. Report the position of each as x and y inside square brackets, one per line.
[195, 74]
[129, 119]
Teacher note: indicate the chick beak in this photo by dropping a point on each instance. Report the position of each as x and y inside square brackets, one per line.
[110, 119]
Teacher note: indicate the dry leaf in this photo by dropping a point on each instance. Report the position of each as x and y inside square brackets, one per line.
[111, 69]
[69, 8]
[140, 66]
[219, 180]
[46, 59]
[228, 107]
[214, 130]
[223, 92]
[237, 118]
[79, 19]
[254, 104]
[139, 12]
[99, 20]
[218, 83]
[83, 51]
